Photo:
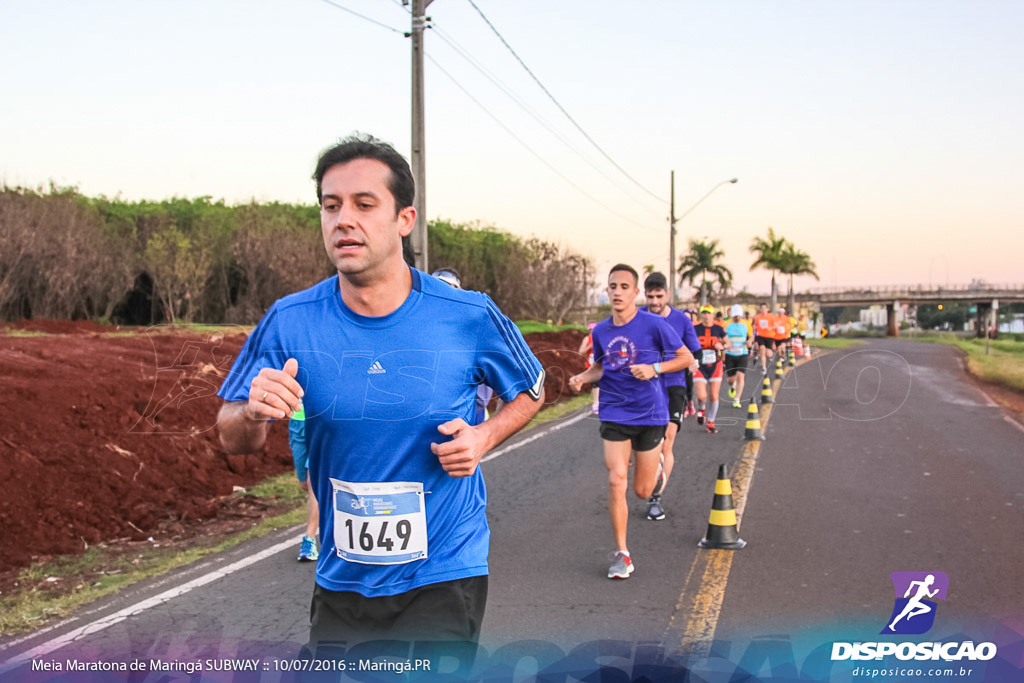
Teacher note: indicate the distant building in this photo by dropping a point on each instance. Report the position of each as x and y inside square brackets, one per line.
[877, 316]
[1015, 324]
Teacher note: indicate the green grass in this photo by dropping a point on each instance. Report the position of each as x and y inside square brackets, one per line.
[11, 332]
[530, 326]
[834, 343]
[558, 410]
[1003, 364]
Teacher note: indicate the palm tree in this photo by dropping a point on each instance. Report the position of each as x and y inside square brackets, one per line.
[769, 254]
[704, 259]
[793, 262]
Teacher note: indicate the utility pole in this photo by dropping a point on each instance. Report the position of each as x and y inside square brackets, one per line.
[672, 242]
[419, 157]
[673, 219]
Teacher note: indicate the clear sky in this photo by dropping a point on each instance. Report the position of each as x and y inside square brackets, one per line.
[883, 137]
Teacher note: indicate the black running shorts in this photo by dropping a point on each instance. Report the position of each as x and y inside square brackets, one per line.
[734, 364]
[446, 611]
[676, 404]
[643, 437]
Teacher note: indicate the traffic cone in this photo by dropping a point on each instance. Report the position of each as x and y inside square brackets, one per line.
[766, 393]
[753, 431]
[722, 533]
[807, 351]
[792, 358]
[778, 369]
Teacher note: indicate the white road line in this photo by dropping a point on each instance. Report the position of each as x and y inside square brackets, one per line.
[117, 617]
[509, 449]
[120, 616]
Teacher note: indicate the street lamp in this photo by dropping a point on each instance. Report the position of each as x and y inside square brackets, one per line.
[673, 219]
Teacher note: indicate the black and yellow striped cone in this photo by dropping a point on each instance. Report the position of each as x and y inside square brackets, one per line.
[722, 533]
[778, 369]
[766, 393]
[753, 431]
[792, 358]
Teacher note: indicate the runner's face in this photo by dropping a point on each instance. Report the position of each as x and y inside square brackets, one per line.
[622, 291]
[707, 318]
[657, 300]
[360, 226]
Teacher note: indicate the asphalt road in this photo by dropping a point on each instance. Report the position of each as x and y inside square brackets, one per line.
[877, 459]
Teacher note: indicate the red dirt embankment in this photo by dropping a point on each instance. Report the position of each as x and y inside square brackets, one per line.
[112, 437]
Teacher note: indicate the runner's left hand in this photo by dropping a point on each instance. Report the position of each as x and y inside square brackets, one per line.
[460, 456]
[644, 372]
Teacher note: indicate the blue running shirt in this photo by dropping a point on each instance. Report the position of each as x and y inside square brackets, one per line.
[643, 340]
[737, 334]
[376, 389]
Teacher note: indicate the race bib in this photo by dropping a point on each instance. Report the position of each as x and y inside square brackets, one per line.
[709, 357]
[382, 523]
[781, 329]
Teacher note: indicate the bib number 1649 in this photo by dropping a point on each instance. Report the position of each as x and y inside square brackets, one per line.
[379, 523]
[364, 536]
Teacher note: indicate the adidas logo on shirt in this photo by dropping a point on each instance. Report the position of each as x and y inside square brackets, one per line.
[376, 369]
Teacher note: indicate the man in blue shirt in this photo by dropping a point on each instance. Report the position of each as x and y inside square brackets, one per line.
[385, 360]
[736, 354]
[628, 352]
[656, 294]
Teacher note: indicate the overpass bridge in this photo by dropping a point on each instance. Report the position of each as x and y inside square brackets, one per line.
[985, 296]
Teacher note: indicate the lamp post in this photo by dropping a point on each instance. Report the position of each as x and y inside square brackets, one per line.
[673, 219]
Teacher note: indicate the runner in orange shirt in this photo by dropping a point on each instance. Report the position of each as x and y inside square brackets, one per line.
[783, 331]
[764, 335]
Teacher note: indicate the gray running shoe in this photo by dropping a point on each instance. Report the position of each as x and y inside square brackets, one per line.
[654, 509]
[622, 567]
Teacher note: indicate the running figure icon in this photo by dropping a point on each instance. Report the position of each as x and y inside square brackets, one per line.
[915, 606]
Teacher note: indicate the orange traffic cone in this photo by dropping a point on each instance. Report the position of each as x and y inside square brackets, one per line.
[807, 351]
[753, 430]
[722, 533]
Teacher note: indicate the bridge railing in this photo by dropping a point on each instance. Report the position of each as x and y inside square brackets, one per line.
[893, 289]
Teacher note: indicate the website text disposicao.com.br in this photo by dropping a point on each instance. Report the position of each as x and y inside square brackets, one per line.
[870, 672]
[953, 654]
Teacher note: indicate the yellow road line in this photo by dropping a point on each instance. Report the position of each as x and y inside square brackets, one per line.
[695, 618]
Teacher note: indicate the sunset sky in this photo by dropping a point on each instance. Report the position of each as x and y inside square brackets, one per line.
[883, 137]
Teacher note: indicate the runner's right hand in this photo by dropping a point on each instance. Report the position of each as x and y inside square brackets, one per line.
[275, 393]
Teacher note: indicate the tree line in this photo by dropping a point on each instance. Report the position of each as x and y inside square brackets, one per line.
[702, 266]
[68, 256]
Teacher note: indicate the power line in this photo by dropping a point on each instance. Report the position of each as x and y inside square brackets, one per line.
[560, 107]
[464, 53]
[364, 17]
[502, 124]
[535, 153]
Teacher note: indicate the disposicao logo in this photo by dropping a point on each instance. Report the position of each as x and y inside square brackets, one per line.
[913, 613]
[914, 610]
